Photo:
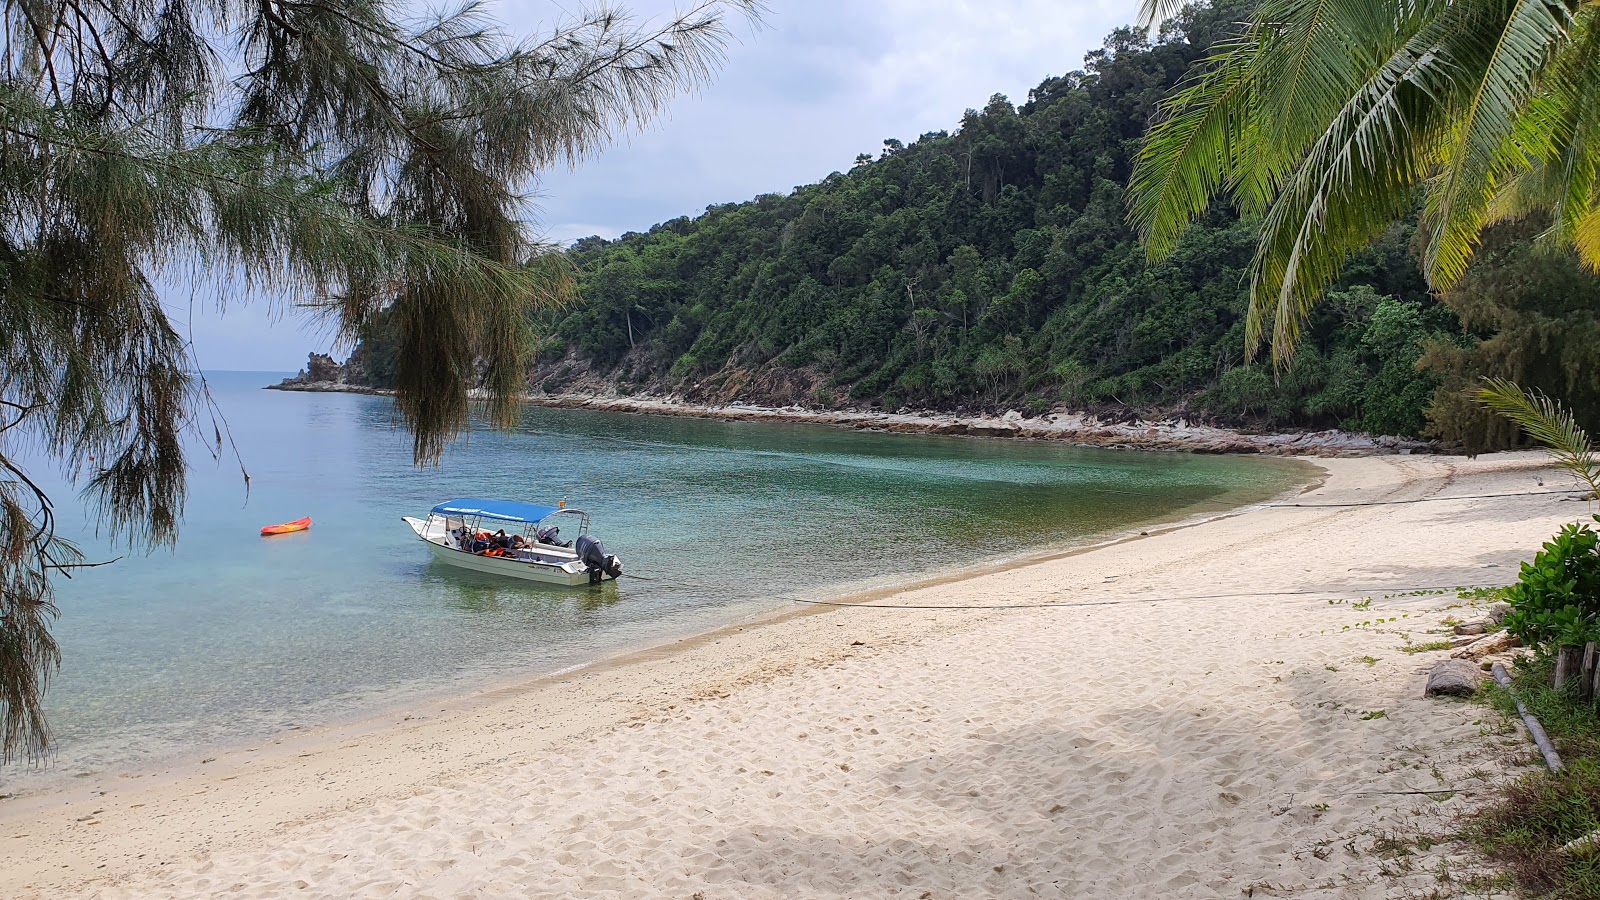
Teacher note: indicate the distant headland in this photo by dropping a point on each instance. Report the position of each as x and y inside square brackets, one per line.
[322, 374]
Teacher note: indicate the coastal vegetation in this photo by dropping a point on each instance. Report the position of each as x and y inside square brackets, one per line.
[994, 268]
[349, 154]
[1555, 602]
[1544, 828]
[1528, 827]
[1329, 121]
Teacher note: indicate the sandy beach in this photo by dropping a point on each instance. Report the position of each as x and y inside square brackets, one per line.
[1179, 714]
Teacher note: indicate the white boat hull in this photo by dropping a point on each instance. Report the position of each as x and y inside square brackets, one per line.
[553, 565]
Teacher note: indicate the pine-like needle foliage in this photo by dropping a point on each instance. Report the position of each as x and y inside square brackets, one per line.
[332, 151]
[1549, 423]
[1331, 118]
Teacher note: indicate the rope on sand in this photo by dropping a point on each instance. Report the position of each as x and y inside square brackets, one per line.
[1065, 604]
[1415, 500]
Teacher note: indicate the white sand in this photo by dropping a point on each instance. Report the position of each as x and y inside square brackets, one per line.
[1147, 746]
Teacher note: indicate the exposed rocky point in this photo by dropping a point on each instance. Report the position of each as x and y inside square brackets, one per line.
[323, 374]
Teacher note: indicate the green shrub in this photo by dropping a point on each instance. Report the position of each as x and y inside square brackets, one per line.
[1556, 600]
[687, 364]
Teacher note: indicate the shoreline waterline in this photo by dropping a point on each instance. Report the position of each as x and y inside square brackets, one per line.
[456, 698]
[232, 637]
[738, 731]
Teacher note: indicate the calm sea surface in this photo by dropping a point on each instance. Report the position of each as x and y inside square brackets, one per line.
[233, 636]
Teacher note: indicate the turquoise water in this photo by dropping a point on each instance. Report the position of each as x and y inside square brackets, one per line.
[233, 636]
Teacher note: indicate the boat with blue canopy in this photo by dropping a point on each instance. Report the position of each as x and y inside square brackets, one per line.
[519, 540]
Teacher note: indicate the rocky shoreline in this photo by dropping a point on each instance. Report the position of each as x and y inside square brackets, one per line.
[1074, 428]
[325, 387]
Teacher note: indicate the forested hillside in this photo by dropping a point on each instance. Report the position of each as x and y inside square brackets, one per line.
[993, 268]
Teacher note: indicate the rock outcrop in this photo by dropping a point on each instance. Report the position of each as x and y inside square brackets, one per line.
[323, 374]
[1075, 428]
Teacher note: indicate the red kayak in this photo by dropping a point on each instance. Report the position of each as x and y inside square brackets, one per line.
[287, 527]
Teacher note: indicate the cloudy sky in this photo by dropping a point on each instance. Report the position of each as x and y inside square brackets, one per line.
[798, 98]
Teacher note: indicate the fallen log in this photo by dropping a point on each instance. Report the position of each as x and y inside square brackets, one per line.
[1499, 642]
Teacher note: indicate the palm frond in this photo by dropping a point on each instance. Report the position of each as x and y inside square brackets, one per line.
[1358, 176]
[1331, 118]
[1560, 174]
[1193, 149]
[1502, 45]
[1248, 116]
[1322, 53]
[1154, 12]
[1547, 422]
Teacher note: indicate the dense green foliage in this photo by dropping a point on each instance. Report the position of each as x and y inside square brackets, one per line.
[993, 268]
[1536, 313]
[1332, 119]
[1556, 600]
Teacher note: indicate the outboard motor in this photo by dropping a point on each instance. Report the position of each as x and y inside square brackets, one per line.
[592, 554]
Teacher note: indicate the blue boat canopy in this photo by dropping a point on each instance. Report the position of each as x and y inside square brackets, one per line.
[504, 510]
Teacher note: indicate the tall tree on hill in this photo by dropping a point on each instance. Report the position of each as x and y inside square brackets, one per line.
[333, 151]
[1332, 118]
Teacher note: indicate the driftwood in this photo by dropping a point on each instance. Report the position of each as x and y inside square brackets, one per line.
[1472, 627]
[1498, 642]
[1535, 730]
[1594, 680]
[1575, 670]
[1452, 677]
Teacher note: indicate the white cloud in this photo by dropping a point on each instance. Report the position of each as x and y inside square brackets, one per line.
[950, 55]
[822, 81]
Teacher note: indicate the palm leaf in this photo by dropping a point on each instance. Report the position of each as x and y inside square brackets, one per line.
[1547, 422]
[1357, 177]
[1500, 45]
[1192, 149]
[1154, 12]
[1247, 117]
[1554, 135]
